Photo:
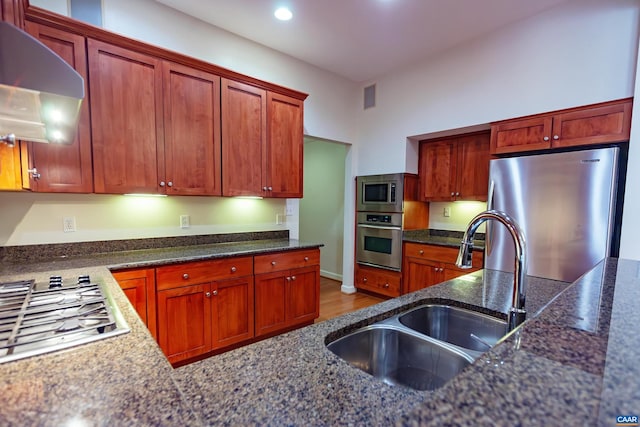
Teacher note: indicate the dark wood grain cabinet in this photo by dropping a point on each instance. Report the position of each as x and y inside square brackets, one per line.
[63, 168]
[287, 290]
[378, 280]
[139, 285]
[454, 168]
[426, 265]
[13, 161]
[603, 123]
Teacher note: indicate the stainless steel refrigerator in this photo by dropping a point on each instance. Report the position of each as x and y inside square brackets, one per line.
[565, 204]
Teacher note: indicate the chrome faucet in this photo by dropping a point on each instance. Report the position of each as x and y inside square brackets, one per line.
[517, 312]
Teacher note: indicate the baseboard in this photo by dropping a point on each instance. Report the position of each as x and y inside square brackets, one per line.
[330, 275]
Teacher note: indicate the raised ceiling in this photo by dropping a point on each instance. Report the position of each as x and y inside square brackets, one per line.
[362, 39]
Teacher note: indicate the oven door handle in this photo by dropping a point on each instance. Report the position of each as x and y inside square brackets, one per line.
[379, 227]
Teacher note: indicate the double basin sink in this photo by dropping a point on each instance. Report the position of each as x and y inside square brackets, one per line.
[421, 348]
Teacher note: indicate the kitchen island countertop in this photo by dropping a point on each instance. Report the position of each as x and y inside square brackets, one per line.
[574, 362]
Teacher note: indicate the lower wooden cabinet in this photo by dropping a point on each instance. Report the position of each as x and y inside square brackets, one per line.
[378, 280]
[287, 290]
[204, 306]
[427, 265]
[139, 285]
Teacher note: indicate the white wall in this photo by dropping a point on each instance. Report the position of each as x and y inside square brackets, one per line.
[322, 208]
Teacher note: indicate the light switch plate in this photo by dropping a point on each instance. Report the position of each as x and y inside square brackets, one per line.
[69, 224]
[446, 212]
[185, 221]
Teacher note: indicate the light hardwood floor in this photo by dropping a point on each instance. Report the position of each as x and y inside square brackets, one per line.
[334, 303]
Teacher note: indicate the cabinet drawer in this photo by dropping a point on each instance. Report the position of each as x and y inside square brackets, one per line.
[173, 276]
[377, 280]
[286, 260]
[439, 253]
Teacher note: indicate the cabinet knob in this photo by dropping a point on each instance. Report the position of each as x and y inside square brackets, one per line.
[306, 258]
[34, 173]
[161, 183]
[386, 285]
[215, 292]
[364, 280]
[293, 277]
[421, 252]
[288, 278]
[556, 137]
[207, 294]
[170, 183]
[546, 138]
[264, 188]
[441, 269]
[270, 188]
[273, 263]
[452, 194]
[457, 194]
[233, 269]
[185, 276]
[435, 269]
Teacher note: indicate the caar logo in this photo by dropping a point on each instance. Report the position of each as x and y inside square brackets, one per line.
[627, 420]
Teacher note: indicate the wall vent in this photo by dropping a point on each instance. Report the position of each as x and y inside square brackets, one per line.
[370, 96]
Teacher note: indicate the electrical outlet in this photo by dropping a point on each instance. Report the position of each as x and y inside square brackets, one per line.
[279, 219]
[446, 212]
[69, 224]
[185, 221]
[288, 208]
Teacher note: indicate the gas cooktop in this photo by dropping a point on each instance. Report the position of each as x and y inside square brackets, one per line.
[38, 318]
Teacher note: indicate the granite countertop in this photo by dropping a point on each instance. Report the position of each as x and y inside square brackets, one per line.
[441, 238]
[573, 362]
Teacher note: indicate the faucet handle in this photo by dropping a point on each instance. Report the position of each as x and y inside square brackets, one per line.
[465, 254]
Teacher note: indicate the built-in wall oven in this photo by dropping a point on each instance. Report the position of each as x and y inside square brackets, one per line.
[379, 239]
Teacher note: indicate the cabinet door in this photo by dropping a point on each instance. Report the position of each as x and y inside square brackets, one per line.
[421, 273]
[438, 170]
[597, 125]
[473, 167]
[140, 288]
[192, 131]
[126, 119]
[184, 321]
[270, 297]
[10, 167]
[244, 124]
[232, 311]
[304, 295]
[283, 170]
[521, 135]
[64, 168]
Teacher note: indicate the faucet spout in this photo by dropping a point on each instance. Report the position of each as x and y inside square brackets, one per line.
[517, 313]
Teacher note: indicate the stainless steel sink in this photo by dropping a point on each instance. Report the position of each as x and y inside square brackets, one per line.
[400, 358]
[464, 328]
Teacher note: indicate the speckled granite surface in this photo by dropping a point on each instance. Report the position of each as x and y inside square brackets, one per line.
[441, 238]
[574, 363]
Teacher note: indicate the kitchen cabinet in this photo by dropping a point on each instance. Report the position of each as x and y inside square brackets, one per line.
[427, 265]
[63, 168]
[261, 142]
[603, 123]
[12, 11]
[156, 124]
[204, 306]
[455, 168]
[287, 290]
[12, 164]
[139, 285]
[378, 280]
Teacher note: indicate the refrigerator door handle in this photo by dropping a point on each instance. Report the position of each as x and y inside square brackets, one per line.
[488, 224]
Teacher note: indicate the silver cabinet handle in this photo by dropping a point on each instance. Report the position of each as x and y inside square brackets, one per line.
[233, 269]
[546, 138]
[386, 285]
[273, 263]
[293, 277]
[170, 183]
[185, 276]
[161, 183]
[207, 294]
[364, 280]
[215, 292]
[270, 188]
[452, 194]
[457, 194]
[288, 279]
[306, 258]
[556, 137]
[34, 173]
[421, 252]
[264, 188]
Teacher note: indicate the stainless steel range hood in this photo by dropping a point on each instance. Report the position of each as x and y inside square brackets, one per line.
[40, 94]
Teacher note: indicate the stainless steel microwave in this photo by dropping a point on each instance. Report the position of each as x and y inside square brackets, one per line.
[380, 193]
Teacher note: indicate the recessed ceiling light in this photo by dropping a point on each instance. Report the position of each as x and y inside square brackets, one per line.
[283, 14]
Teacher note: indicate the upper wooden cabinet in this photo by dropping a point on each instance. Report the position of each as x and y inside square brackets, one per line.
[12, 165]
[191, 131]
[455, 168]
[262, 140]
[64, 168]
[126, 119]
[11, 11]
[608, 122]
